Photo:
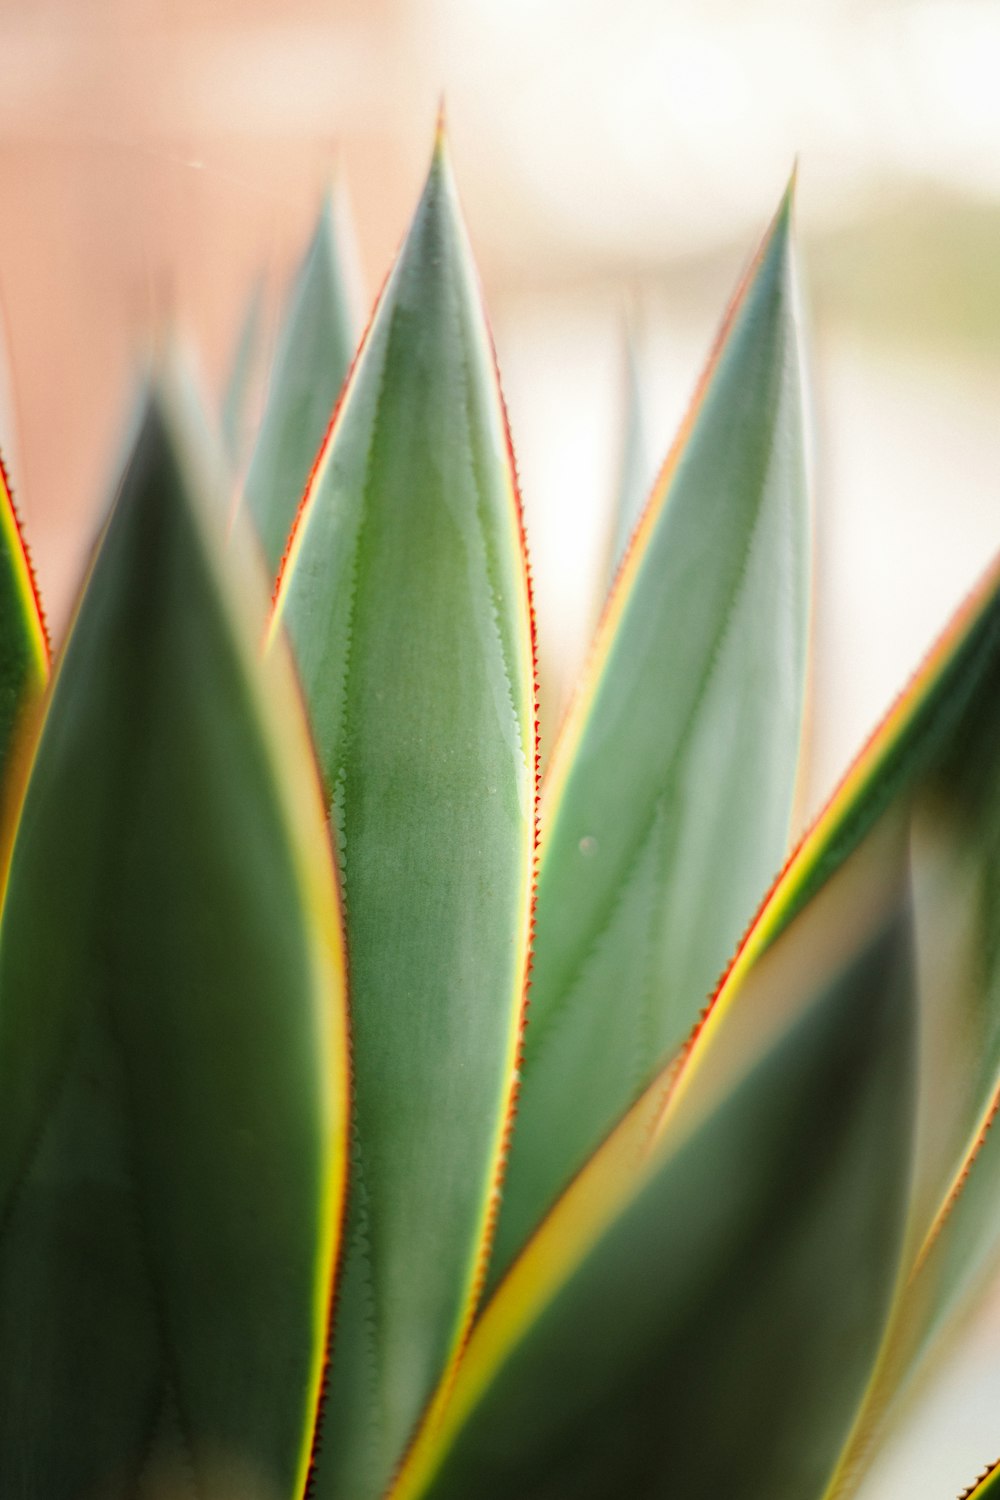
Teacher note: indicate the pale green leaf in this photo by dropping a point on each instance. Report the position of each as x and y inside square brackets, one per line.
[314, 351]
[405, 596]
[666, 808]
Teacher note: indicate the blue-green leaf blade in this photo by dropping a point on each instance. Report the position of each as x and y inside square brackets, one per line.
[666, 808]
[405, 596]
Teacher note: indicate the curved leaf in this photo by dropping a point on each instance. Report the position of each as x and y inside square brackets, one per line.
[236, 399]
[679, 1301]
[665, 812]
[173, 1090]
[405, 596]
[313, 355]
[635, 465]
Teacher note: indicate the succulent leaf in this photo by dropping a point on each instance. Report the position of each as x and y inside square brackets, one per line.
[635, 466]
[666, 808]
[173, 1070]
[932, 762]
[676, 1304]
[236, 399]
[314, 351]
[922, 794]
[405, 596]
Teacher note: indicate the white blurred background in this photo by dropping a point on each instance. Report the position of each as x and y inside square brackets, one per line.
[155, 155]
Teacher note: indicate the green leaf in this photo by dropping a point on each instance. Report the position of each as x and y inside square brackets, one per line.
[405, 596]
[924, 785]
[24, 651]
[986, 1487]
[313, 355]
[635, 468]
[666, 808]
[699, 1314]
[935, 757]
[173, 1076]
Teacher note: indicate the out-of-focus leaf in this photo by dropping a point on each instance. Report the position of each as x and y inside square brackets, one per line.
[698, 1316]
[635, 471]
[240, 384]
[933, 763]
[666, 808]
[405, 595]
[24, 651]
[314, 352]
[173, 1089]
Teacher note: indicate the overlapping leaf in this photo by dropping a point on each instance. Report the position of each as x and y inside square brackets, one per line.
[405, 596]
[934, 761]
[666, 808]
[172, 1036]
[314, 351]
[635, 469]
[672, 1327]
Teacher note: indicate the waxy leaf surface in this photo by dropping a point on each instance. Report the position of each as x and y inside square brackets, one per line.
[684, 1296]
[635, 470]
[666, 808]
[312, 358]
[173, 1074]
[405, 595]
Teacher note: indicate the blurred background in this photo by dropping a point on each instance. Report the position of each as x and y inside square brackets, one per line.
[617, 158]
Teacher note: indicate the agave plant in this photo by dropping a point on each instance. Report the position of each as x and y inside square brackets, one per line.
[292, 1200]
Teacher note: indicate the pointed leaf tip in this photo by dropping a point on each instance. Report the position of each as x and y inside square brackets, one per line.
[441, 130]
[409, 538]
[788, 198]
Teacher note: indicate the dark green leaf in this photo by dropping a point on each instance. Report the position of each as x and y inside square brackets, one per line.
[172, 1037]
